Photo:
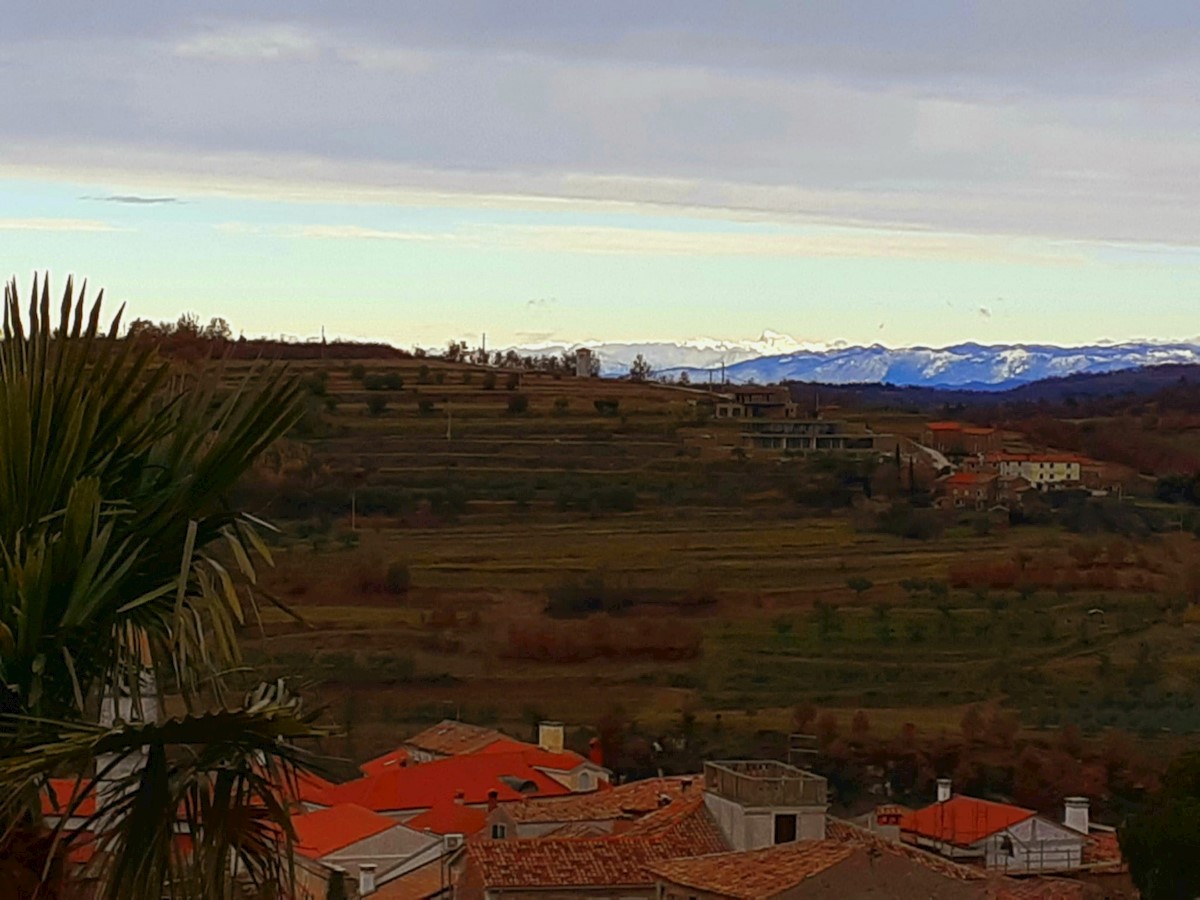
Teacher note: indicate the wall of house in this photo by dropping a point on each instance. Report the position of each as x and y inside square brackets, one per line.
[387, 849]
[754, 828]
[1035, 845]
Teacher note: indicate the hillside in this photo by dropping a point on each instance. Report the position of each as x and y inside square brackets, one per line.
[507, 545]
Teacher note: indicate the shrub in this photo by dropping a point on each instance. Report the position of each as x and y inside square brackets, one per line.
[425, 407]
[358, 371]
[489, 381]
[512, 382]
[423, 375]
[393, 381]
[607, 407]
[374, 382]
[398, 579]
[517, 404]
[376, 404]
[561, 405]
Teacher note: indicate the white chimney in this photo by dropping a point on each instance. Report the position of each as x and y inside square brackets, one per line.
[550, 736]
[943, 788]
[1076, 816]
[366, 879]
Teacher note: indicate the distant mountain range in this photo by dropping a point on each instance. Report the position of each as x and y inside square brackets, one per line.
[968, 366]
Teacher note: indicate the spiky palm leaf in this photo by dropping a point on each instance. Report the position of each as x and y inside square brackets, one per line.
[206, 807]
[113, 525]
[113, 474]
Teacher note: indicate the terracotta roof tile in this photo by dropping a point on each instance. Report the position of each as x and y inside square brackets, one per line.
[328, 830]
[420, 884]
[963, 820]
[626, 801]
[755, 873]
[684, 829]
[1102, 852]
[451, 738]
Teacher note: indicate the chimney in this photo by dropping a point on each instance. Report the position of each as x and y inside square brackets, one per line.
[366, 878]
[1077, 814]
[493, 800]
[459, 797]
[550, 736]
[943, 790]
[685, 785]
[596, 751]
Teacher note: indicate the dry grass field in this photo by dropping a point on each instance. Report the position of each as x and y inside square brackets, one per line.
[488, 493]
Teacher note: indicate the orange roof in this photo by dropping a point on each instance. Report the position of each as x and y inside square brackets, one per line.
[627, 801]
[450, 818]
[969, 478]
[398, 757]
[944, 426]
[617, 860]
[979, 432]
[329, 830]
[513, 776]
[450, 738]
[65, 792]
[1103, 852]
[963, 820]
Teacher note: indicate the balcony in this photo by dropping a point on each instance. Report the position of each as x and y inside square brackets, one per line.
[764, 783]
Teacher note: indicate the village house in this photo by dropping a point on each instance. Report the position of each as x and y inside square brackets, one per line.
[369, 849]
[850, 862]
[999, 836]
[814, 436]
[969, 490]
[1045, 471]
[958, 438]
[756, 403]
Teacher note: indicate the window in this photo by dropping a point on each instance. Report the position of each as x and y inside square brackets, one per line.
[785, 828]
[1006, 846]
[585, 781]
[499, 832]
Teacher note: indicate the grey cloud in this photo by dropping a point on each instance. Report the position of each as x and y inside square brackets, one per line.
[1070, 120]
[134, 199]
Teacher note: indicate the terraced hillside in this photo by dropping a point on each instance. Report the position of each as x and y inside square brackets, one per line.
[512, 550]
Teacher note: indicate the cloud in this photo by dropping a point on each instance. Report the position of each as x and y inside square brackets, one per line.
[357, 233]
[249, 43]
[57, 225]
[134, 199]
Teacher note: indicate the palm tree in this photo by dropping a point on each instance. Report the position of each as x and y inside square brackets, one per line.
[124, 575]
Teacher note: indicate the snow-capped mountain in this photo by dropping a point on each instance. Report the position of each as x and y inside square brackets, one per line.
[970, 365]
[703, 353]
[995, 367]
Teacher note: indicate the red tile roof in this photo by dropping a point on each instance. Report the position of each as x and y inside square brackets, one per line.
[970, 478]
[1102, 852]
[328, 830]
[626, 801]
[944, 426]
[396, 759]
[450, 818]
[449, 738]
[65, 791]
[963, 820]
[755, 873]
[430, 880]
[512, 776]
[683, 829]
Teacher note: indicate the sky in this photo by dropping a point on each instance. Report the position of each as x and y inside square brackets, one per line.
[919, 173]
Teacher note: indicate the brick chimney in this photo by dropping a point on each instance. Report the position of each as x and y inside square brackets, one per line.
[550, 736]
[1077, 814]
[459, 797]
[596, 751]
[685, 785]
[943, 790]
[366, 878]
[493, 800]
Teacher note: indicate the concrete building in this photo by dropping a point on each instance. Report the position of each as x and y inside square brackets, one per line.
[762, 803]
[813, 436]
[756, 403]
[958, 437]
[1042, 470]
